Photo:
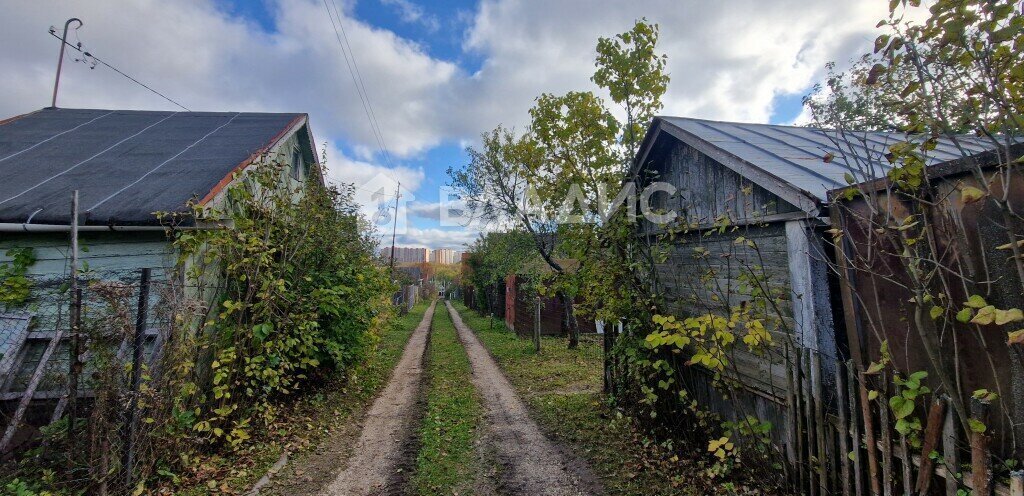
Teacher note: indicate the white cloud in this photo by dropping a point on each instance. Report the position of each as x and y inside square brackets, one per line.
[430, 210]
[375, 187]
[206, 60]
[728, 60]
[413, 13]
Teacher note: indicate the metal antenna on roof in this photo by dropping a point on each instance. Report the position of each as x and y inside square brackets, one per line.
[60, 59]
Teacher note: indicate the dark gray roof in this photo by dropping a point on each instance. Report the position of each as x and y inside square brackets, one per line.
[125, 164]
[794, 157]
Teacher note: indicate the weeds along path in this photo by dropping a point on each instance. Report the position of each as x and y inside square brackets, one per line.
[529, 463]
[381, 459]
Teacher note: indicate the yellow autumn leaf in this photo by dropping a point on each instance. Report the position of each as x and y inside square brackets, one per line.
[970, 194]
[1006, 316]
[1015, 337]
[1008, 246]
[985, 316]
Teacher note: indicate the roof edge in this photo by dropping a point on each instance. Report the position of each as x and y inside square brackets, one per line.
[801, 199]
[19, 116]
[983, 160]
[292, 127]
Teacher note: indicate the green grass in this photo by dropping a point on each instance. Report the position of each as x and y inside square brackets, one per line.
[563, 390]
[447, 461]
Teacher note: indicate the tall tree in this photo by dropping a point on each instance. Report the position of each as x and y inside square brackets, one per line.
[552, 180]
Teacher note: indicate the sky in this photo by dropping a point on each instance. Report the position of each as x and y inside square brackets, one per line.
[435, 74]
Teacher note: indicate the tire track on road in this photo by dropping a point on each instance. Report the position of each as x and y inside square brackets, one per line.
[385, 446]
[529, 462]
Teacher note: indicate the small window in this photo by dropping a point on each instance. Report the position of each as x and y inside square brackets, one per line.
[298, 167]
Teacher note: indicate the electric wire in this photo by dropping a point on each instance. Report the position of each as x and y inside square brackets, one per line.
[362, 84]
[357, 78]
[115, 69]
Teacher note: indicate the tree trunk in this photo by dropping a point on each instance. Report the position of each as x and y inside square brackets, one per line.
[571, 323]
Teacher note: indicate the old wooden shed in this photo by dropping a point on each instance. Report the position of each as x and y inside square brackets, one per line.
[754, 200]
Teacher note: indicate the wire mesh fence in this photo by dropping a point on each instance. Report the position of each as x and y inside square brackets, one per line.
[76, 368]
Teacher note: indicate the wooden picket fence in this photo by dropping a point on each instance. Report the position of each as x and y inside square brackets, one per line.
[844, 441]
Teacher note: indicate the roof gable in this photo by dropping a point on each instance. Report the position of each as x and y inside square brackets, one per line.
[125, 164]
[790, 161]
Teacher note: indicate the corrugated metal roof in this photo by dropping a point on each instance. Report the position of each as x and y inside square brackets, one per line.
[796, 155]
[125, 164]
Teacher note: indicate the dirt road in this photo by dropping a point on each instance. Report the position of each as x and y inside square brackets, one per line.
[529, 463]
[378, 465]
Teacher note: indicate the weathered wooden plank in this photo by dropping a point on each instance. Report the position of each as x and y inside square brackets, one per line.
[886, 437]
[981, 456]
[869, 437]
[792, 444]
[801, 418]
[813, 455]
[950, 452]
[932, 432]
[844, 430]
[854, 429]
[819, 421]
[14, 326]
[709, 189]
[26, 398]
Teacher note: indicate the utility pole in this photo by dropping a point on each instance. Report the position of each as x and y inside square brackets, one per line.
[60, 59]
[394, 227]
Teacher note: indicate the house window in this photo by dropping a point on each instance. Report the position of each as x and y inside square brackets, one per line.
[297, 165]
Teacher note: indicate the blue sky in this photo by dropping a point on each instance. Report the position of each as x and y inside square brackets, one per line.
[440, 30]
[438, 73]
[439, 27]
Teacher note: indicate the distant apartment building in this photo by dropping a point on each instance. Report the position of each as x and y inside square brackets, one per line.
[445, 256]
[406, 255]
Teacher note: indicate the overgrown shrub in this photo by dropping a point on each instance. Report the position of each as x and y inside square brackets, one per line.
[292, 293]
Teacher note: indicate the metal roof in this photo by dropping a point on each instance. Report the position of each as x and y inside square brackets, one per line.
[126, 164]
[795, 157]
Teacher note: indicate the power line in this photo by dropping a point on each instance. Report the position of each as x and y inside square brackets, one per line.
[362, 84]
[357, 79]
[115, 69]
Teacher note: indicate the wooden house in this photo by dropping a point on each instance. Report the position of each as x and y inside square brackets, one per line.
[754, 198]
[126, 166]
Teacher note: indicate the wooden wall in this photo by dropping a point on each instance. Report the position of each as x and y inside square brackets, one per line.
[107, 256]
[110, 255]
[696, 284]
[706, 189]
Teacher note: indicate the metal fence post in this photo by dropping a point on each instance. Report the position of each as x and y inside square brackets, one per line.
[132, 424]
